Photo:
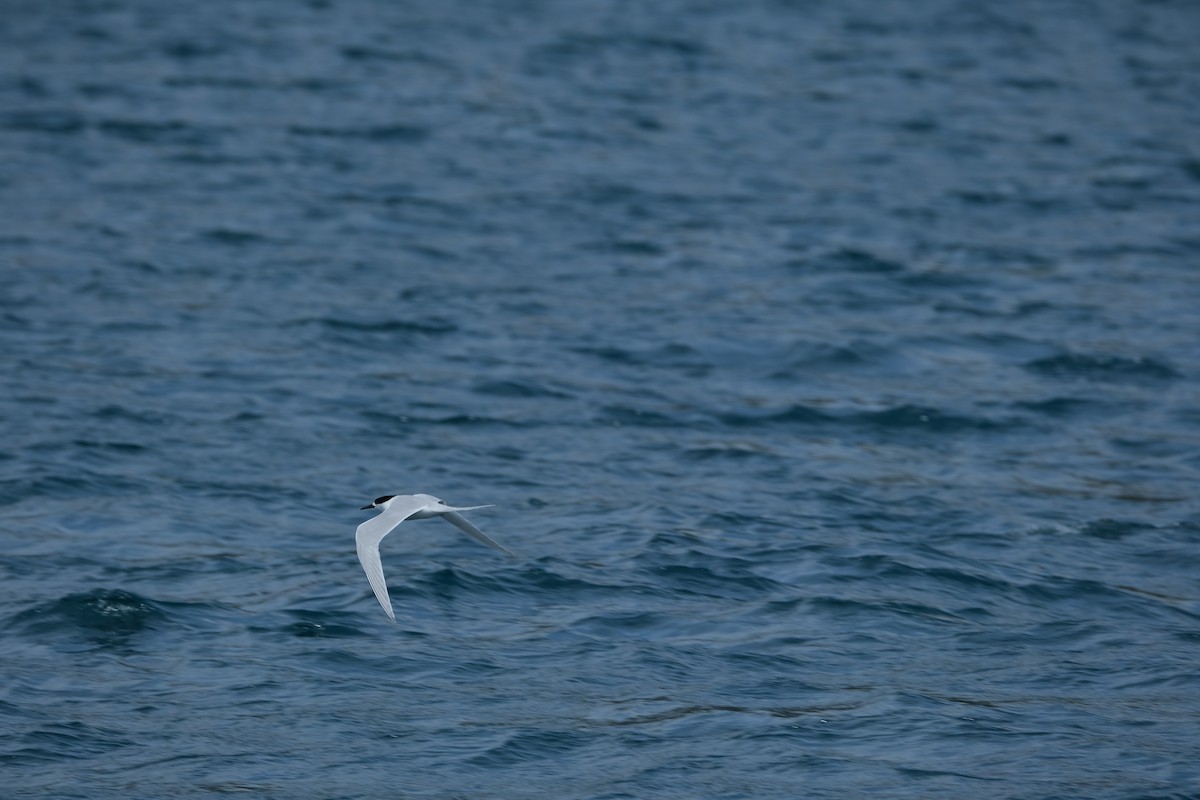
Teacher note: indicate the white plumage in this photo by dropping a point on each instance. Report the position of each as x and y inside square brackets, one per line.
[395, 509]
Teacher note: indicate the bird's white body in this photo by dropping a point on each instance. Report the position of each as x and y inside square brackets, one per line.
[395, 509]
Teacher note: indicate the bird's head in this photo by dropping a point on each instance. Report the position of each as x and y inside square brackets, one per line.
[379, 502]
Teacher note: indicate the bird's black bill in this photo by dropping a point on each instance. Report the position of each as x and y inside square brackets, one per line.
[364, 508]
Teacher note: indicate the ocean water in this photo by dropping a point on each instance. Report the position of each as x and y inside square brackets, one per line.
[834, 368]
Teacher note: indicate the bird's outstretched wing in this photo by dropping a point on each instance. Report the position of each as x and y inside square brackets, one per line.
[367, 539]
[460, 522]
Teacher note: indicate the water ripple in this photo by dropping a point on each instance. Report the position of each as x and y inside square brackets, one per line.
[832, 366]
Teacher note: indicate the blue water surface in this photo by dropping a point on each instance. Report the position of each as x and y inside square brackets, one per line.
[832, 367]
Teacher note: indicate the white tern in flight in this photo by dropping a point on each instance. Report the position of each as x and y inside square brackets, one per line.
[394, 509]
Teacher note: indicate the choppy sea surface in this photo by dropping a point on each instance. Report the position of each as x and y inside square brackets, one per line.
[832, 367]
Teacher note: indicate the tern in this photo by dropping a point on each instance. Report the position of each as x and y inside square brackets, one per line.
[394, 509]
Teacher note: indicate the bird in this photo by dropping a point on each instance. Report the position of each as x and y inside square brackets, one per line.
[394, 509]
